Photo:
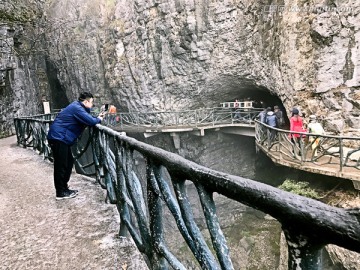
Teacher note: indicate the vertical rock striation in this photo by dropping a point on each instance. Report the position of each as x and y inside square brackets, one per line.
[23, 79]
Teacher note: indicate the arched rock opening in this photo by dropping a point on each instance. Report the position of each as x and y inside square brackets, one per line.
[229, 88]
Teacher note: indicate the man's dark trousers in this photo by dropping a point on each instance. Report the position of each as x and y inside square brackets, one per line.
[63, 163]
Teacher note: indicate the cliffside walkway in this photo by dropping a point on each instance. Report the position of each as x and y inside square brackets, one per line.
[197, 121]
[146, 182]
[38, 232]
[337, 156]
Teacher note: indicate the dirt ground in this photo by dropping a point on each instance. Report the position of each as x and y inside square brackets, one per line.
[38, 232]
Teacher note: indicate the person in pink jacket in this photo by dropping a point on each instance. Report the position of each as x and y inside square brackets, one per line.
[296, 124]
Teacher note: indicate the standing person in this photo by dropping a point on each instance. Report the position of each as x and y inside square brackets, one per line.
[262, 114]
[271, 121]
[316, 128]
[236, 110]
[63, 132]
[279, 115]
[112, 114]
[236, 103]
[296, 124]
[262, 118]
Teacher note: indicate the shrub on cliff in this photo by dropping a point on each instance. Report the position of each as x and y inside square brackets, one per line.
[300, 188]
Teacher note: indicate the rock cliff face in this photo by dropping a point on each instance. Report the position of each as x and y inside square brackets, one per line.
[187, 54]
[23, 79]
[161, 55]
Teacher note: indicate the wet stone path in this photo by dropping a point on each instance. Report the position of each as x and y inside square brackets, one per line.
[38, 232]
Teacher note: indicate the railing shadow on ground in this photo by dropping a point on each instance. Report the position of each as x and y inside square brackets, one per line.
[308, 224]
[330, 155]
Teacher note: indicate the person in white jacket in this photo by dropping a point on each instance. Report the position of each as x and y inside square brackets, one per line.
[316, 128]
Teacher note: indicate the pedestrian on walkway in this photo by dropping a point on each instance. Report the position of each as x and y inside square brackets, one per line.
[279, 116]
[271, 121]
[296, 125]
[112, 115]
[66, 128]
[316, 128]
[262, 118]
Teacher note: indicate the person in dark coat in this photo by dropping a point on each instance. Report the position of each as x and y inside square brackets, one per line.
[271, 121]
[279, 116]
[66, 128]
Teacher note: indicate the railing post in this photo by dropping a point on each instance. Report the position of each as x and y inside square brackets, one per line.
[303, 253]
[279, 149]
[196, 118]
[213, 118]
[121, 120]
[341, 154]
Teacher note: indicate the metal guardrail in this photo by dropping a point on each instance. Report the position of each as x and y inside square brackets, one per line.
[333, 155]
[189, 118]
[308, 224]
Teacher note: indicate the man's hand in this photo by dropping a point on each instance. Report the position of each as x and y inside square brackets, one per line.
[101, 115]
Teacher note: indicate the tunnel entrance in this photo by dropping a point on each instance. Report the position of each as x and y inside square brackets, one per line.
[58, 98]
[262, 98]
[230, 88]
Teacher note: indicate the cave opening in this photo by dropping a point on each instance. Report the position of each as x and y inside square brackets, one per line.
[58, 98]
[228, 88]
[261, 97]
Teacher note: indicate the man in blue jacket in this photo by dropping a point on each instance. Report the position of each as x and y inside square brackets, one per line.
[63, 132]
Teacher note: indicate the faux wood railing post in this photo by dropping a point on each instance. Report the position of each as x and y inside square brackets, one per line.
[341, 150]
[303, 253]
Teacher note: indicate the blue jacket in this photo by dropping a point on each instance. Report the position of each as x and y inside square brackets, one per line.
[71, 122]
[271, 119]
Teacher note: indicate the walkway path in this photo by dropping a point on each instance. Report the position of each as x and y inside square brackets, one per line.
[38, 232]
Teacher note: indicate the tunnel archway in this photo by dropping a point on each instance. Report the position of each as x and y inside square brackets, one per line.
[262, 98]
[227, 88]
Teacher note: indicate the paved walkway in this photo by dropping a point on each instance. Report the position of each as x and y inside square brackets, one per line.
[38, 232]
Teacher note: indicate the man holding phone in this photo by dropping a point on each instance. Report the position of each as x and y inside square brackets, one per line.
[66, 128]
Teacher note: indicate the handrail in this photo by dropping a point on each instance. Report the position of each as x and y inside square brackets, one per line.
[340, 154]
[308, 224]
[186, 118]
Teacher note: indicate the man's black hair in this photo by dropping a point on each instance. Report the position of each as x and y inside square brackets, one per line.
[85, 95]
